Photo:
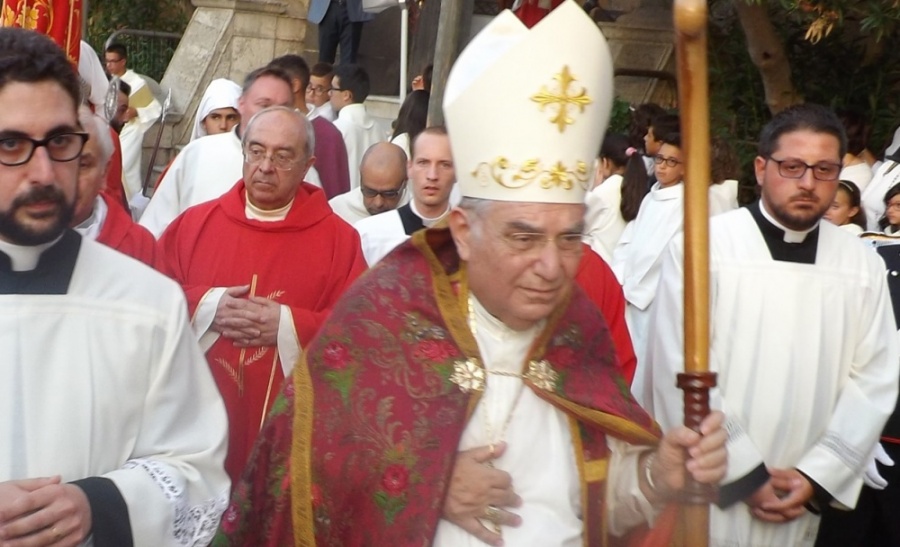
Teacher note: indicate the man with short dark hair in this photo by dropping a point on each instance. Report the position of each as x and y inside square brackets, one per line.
[382, 185]
[802, 336]
[432, 176]
[262, 266]
[349, 90]
[331, 153]
[209, 167]
[142, 112]
[113, 433]
[318, 92]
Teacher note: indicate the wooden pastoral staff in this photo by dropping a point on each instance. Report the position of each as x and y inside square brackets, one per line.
[696, 380]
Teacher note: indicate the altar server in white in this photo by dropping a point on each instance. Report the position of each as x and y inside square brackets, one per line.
[432, 176]
[802, 337]
[113, 433]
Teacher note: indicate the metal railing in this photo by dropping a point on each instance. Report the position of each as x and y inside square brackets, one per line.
[149, 51]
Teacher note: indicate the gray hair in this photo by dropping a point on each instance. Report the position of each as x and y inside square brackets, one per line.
[307, 126]
[478, 209]
[99, 130]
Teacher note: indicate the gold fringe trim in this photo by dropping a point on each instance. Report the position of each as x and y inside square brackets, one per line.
[303, 518]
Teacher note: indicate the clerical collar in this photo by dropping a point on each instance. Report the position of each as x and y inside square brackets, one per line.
[39, 269]
[255, 213]
[428, 222]
[24, 258]
[775, 236]
[790, 236]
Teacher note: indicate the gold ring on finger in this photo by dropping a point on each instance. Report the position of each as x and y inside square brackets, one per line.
[492, 514]
[56, 533]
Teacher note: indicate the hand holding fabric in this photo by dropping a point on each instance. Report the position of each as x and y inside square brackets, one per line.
[872, 477]
[474, 487]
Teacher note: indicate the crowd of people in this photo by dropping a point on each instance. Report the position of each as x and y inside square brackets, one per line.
[317, 333]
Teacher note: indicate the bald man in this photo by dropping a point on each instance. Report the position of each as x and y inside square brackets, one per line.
[382, 186]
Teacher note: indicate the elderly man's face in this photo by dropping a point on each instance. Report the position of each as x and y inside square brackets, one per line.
[38, 196]
[275, 161]
[522, 257]
[91, 176]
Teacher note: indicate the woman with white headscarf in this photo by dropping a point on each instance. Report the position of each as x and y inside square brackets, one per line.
[217, 112]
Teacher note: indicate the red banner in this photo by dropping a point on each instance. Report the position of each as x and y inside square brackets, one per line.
[58, 19]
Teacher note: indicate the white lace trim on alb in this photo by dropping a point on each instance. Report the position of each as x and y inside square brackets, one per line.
[194, 524]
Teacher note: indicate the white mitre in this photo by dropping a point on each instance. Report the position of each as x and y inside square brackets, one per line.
[526, 109]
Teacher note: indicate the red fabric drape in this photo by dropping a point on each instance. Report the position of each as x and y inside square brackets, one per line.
[58, 19]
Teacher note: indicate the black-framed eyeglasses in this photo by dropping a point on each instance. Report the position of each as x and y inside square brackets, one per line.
[795, 169]
[61, 147]
[335, 89]
[385, 194]
[320, 89]
[111, 61]
[279, 160]
[527, 242]
[660, 159]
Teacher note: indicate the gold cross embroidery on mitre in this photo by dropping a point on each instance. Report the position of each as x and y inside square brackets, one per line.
[562, 99]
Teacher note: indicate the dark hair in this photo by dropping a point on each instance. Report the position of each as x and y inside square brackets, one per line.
[641, 116]
[665, 125]
[273, 71]
[615, 148]
[413, 114]
[858, 130]
[295, 66]
[812, 117]
[320, 70]
[124, 87]
[892, 191]
[672, 138]
[354, 79]
[118, 48]
[852, 191]
[433, 130]
[724, 161]
[29, 57]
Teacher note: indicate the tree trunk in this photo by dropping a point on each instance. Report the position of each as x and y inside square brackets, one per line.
[767, 53]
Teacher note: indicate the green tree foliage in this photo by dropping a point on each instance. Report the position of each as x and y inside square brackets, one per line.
[844, 54]
[147, 56]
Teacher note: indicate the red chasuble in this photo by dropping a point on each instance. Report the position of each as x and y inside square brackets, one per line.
[58, 19]
[114, 187]
[123, 234]
[599, 282]
[305, 262]
[360, 447]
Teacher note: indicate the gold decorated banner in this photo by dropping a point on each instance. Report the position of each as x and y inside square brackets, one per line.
[58, 19]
